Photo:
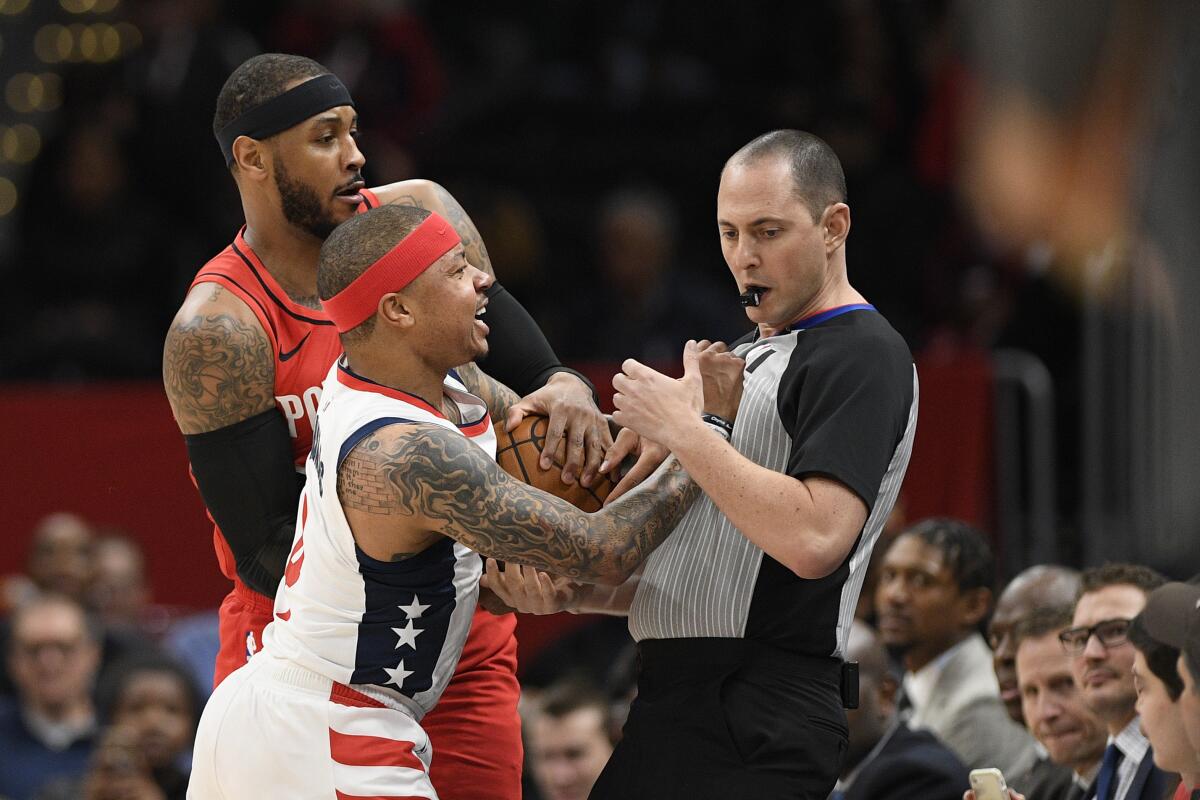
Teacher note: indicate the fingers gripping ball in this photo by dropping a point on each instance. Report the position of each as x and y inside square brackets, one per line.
[518, 452]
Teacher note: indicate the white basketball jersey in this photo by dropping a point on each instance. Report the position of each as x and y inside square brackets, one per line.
[393, 630]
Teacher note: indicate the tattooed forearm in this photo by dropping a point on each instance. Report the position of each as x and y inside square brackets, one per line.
[476, 252]
[441, 476]
[217, 370]
[498, 397]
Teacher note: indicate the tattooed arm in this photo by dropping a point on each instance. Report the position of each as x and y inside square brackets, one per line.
[405, 484]
[218, 367]
[432, 197]
[219, 374]
[498, 397]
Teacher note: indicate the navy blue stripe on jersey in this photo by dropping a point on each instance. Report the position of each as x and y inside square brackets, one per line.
[825, 316]
[418, 590]
[278, 302]
[366, 430]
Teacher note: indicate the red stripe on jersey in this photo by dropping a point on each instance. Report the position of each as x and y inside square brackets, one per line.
[372, 751]
[344, 796]
[343, 695]
[477, 428]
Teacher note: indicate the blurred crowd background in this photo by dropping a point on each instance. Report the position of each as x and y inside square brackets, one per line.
[1024, 180]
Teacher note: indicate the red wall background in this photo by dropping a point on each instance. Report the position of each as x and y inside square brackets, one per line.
[111, 452]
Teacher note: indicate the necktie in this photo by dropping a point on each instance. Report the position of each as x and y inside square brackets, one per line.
[1106, 779]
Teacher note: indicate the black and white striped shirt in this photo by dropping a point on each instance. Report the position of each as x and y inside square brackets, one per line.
[834, 396]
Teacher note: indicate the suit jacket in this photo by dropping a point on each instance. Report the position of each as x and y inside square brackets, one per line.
[965, 712]
[911, 765]
[1047, 781]
[1149, 782]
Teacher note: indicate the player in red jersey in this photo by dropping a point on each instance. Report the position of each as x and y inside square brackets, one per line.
[243, 364]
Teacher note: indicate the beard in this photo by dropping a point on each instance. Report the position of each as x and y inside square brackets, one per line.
[302, 207]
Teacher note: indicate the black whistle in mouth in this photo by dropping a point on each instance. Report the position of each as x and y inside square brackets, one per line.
[750, 297]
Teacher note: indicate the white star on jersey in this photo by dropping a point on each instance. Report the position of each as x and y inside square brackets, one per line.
[408, 635]
[398, 674]
[414, 609]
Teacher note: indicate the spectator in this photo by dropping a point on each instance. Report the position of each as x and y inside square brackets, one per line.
[933, 595]
[1159, 633]
[1109, 598]
[48, 729]
[60, 557]
[119, 592]
[1053, 708]
[1040, 586]
[119, 770]
[652, 305]
[885, 759]
[569, 738]
[154, 697]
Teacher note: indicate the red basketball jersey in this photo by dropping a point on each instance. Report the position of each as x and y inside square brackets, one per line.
[304, 340]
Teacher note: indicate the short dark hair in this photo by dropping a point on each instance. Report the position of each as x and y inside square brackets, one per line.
[1041, 622]
[574, 694]
[1136, 575]
[117, 678]
[816, 170]
[259, 79]
[1161, 658]
[964, 550]
[357, 244]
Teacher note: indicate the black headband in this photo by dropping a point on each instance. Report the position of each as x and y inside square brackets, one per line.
[285, 111]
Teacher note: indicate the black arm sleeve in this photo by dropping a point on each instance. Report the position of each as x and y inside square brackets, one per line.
[518, 354]
[249, 482]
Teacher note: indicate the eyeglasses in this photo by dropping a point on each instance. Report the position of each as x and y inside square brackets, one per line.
[1110, 632]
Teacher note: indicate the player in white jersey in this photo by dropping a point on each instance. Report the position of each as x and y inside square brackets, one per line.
[403, 493]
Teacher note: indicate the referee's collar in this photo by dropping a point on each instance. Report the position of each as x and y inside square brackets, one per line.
[813, 320]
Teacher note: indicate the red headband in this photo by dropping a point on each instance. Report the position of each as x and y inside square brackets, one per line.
[398, 267]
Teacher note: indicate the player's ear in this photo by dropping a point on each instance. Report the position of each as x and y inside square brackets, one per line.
[395, 309]
[251, 158]
[835, 223]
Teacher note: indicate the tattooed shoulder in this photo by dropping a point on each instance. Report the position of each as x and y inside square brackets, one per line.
[218, 366]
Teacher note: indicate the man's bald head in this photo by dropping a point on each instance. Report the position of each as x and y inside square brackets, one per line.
[1040, 586]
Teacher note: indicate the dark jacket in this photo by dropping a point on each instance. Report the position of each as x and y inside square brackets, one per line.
[911, 765]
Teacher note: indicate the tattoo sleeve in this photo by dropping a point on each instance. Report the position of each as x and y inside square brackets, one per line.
[439, 476]
[217, 370]
[473, 245]
[498, 397]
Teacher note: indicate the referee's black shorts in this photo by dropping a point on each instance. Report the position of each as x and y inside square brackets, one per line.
[729, 719]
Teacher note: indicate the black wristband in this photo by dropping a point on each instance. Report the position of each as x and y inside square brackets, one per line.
[720, 423]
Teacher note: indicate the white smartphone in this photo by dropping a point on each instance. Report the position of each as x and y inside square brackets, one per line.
[988, 784]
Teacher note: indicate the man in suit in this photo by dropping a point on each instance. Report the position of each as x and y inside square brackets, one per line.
[1052, 705]
[886, 760]
[1098, 641]
[932, 596]
[1038, 588]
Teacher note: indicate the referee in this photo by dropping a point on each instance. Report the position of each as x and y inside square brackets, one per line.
[742, 614]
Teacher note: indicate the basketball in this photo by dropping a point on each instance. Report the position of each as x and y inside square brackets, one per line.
[518, 453]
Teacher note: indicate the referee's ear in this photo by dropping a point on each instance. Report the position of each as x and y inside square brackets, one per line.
[835, 224]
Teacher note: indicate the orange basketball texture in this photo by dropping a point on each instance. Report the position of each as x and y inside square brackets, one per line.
[518, 453]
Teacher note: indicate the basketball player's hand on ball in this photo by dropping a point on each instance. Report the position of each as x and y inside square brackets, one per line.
[722, 373]
[649, 455]
[528, 590]
[653, 404]
[576, 426]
